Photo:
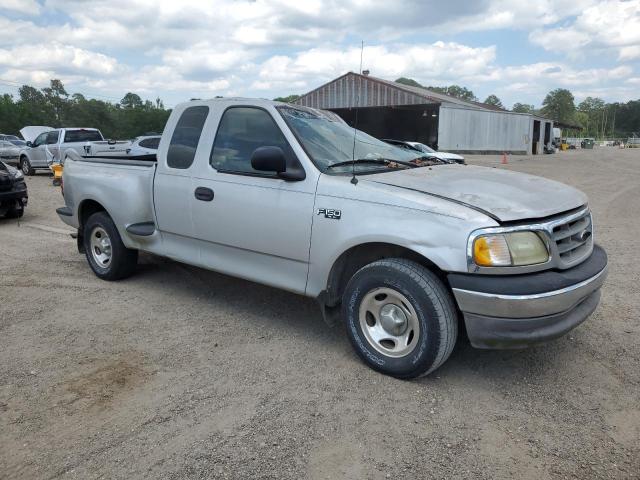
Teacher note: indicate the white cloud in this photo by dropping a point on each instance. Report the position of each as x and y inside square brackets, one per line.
[609, 26]
[437, 62]
[196, 48]
[58, 57]
[29, 7]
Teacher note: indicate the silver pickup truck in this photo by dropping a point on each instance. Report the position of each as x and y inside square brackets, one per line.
[403, 249]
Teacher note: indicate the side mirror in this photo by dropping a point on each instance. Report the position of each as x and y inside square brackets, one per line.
[273, 159]
[268, 159]
[29, 144]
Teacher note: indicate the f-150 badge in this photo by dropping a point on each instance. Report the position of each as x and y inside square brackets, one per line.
[330, 213]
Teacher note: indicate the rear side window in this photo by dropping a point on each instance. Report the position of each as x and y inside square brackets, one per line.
[52, 137]
[72, 136]
[150, 143]
[241, 131]
[185, 138]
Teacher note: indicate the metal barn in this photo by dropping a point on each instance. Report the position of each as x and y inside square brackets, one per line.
[388, 109]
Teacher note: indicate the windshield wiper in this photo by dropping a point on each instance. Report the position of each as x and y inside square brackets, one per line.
[374, 161]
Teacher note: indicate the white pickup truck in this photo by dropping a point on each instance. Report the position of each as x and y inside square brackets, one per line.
[399, 246]
[46, 145]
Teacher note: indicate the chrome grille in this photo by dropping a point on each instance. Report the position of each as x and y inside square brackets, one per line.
[572, 238]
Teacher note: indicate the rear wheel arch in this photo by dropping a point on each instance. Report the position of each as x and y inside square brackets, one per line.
[85, 210]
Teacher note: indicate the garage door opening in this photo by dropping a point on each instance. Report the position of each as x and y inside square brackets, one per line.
[535, 139]
[416, 123]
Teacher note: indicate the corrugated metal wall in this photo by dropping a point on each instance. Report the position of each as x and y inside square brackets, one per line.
[351, 90]
[461, 129]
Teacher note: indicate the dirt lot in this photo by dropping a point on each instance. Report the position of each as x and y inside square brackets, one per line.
[182, 373]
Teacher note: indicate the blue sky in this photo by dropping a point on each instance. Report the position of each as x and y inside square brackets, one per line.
[518, 50]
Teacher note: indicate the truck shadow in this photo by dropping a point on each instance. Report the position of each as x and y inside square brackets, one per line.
[280, 310]
[264, 310]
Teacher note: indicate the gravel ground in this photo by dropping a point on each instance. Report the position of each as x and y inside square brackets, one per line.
[182, 373]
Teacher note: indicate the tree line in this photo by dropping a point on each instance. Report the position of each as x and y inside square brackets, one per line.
[53, 106]
[596, 117]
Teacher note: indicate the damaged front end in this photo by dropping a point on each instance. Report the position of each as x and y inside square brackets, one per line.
[13, 192]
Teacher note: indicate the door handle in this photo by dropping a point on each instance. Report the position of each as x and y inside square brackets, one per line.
[203, 193]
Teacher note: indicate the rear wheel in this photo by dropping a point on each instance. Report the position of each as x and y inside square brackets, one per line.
[25, 166]
[107, 256]
[400, 317]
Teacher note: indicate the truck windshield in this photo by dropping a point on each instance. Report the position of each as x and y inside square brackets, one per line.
[72, 136]
[330, 141]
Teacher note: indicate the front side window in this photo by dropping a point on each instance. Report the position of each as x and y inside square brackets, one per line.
[185, 138]
[40, 140]
[241, 131]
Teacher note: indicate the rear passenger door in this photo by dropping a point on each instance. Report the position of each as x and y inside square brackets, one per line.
[252, 224]
[172, 188]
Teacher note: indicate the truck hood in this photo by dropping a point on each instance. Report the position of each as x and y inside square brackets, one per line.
[501, 194]
[30, 133]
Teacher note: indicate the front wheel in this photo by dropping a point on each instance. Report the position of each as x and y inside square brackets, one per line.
[400, 317]
[107, 256]
[25, 166]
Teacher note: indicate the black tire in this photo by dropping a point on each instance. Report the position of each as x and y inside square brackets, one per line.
[122, 261]
[25, 166]
[434, 316]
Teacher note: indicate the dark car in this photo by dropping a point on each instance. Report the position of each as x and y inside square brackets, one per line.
[13, 192]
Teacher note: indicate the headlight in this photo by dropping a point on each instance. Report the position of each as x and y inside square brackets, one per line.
[509, 249]
[18, 175]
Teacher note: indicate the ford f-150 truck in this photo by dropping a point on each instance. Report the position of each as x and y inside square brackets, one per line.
[46, 145]
[399, 246]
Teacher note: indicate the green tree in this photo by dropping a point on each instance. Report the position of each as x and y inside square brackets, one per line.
[463, 93]
[523, 108]
[131, 100]
[559, 105]
[408, 81]
[53, 106]
[592, 120]
[57, 98]
[493, 100]
[288, 99]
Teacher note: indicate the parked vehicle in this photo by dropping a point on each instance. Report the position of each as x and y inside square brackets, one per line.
[106, 147]
[51, 145]
[271, 192]
[13, 192]
[421, 147]
[10, 149]
[144, 145]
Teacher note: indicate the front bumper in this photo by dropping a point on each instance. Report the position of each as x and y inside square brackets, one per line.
[517, 311]
[18, 192]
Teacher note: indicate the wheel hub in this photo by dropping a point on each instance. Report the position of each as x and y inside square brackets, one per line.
[101, 247]
[393, 319]
[389, 322]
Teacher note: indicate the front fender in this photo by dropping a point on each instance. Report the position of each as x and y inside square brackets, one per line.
[440, 239]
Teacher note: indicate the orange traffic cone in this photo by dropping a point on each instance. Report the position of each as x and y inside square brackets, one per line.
[504, 158]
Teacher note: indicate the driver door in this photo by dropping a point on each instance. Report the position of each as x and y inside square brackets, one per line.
[252, 224]
[37, 154]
